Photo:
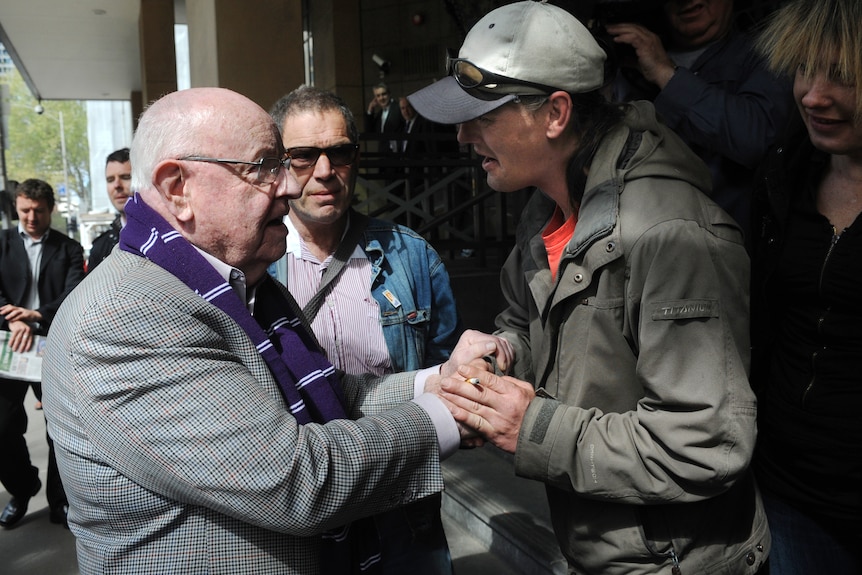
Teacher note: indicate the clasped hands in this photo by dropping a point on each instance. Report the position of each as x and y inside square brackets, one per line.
[486, 407]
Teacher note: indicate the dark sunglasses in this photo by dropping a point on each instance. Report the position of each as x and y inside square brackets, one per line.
[483, 84]
[306, 157]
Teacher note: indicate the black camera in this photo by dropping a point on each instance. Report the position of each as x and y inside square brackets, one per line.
[646, 12]
[600, 13]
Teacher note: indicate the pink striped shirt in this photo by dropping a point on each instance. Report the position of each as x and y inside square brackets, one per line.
[348, 323]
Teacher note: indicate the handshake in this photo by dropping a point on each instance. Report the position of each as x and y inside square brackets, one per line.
[486, 406]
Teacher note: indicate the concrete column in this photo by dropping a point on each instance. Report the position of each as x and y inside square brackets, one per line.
[158, 55]
[137, 100]
[253, 47]
[337, 55]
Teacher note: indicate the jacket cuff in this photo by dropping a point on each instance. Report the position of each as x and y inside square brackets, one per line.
[535, 441]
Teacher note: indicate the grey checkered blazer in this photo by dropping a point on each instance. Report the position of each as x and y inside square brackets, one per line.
[176, 448]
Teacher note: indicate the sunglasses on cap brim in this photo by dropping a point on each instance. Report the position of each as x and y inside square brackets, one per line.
[486, 85]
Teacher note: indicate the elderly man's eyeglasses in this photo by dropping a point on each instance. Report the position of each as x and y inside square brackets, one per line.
[306, 157]
[483, 84]
[267, 168]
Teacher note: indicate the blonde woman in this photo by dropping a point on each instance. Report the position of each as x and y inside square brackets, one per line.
[806, 310]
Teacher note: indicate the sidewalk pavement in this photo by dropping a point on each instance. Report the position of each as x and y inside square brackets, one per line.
[35, 546]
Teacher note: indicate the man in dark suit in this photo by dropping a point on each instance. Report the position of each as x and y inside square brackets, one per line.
[118, 175]
[415, 124]
[40, 266]
[384, 117]
[415, 146]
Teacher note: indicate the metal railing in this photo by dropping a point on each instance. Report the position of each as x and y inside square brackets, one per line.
[442, 194]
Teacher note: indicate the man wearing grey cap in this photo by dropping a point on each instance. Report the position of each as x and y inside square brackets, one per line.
[627, 297]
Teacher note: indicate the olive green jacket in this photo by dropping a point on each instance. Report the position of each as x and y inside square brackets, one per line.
[644, 422]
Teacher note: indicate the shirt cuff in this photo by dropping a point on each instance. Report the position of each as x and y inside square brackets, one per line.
[448, 438]
[421, 377]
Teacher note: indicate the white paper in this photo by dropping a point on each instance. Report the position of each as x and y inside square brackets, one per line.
[25, 366]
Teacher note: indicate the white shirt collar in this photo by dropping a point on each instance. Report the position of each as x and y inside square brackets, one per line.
[294, 241]
[233, 276]
[24, 234]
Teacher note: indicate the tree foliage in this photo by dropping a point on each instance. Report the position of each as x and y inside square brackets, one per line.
[34, 142]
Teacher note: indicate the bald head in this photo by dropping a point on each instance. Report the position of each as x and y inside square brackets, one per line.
[198, 121]
[195, 158]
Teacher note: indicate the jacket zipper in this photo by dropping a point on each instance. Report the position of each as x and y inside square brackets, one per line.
[835, 237]
[675, 570]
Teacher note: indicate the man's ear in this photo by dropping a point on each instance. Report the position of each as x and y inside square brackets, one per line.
[559, 114]
[169, 179]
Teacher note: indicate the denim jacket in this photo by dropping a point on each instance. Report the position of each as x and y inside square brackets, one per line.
[418, 314]
[421, 324]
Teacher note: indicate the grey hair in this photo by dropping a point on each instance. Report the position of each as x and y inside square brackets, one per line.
[312, 99]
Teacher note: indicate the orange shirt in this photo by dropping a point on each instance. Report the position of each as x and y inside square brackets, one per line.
[556, 236]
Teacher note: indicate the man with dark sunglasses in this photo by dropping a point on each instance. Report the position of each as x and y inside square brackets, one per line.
[627, 296]
[376, 294]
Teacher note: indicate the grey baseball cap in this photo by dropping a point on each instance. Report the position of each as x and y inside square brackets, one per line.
[538, 46]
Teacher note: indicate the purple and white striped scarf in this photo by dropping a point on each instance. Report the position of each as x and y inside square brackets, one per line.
[307, 379]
